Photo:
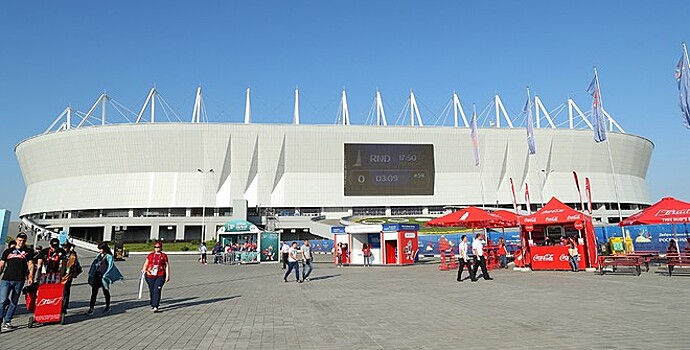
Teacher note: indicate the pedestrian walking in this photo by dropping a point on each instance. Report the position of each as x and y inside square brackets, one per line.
[573, 254]
[465, 260]
[339, 251]
[156, 270]
[479, 259]
[72, 269]
[203, 251]
[284, 251]
[17, 268]
[101, 274]
[502, 253]
[294, 255]
[50, 260]
[306, 253]
[366, 253]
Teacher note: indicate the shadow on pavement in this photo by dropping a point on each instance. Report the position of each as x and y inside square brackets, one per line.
[181, 305]
[317, 278]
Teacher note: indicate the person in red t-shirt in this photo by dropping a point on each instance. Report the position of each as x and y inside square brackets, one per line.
[156, 269]
[502, 253]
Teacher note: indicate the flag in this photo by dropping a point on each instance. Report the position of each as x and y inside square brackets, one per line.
[512, 188]
[588, 192]
[579, 193]
[598, 121]
[531, 147]
[683, 86]
[475, 139]
[529, 206]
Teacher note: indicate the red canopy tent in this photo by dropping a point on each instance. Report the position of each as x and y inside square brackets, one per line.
[471, 217]
[545, 252]
[667, 211]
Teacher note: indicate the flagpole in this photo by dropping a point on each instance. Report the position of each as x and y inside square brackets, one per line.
[608, 146]
[685, 51]
[613, 169]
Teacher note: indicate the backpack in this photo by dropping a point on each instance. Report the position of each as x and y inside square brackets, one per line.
[77, 269]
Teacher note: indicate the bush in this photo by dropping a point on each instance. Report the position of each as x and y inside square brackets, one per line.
[184, 249]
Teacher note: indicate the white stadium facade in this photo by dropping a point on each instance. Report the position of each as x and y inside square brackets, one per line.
[167, 180]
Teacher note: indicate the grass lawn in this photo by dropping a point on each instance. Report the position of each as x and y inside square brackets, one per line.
[168, 246]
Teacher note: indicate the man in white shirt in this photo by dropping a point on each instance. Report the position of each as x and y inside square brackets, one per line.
[306, 253]
[479, 260]
[465, 260]
[284, 250]
[294, 256]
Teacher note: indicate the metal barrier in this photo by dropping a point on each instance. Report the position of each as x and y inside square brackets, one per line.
[237, 258]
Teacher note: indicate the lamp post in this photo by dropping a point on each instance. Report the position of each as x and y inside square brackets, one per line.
[203, 204]
[545, 173]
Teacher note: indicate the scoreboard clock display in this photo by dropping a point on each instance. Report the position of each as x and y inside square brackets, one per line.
[389, 169]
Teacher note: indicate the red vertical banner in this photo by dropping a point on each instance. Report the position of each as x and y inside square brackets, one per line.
[588, 192]
[529, 205]
[579, 193]
[512, 188]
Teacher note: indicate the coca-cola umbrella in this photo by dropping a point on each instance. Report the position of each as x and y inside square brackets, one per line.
[666, 211]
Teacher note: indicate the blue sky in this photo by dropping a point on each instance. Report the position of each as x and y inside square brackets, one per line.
[56, 54]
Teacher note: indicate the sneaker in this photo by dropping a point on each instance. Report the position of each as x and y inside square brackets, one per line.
[307, 279]
[89, 312]
[285, 279]
[106, 310]
[7, 327]
[155, 309]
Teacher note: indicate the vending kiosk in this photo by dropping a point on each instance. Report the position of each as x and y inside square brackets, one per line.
[391, 244]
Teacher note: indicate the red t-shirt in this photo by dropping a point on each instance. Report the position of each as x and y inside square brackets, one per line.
[502, 249]
[156, 264]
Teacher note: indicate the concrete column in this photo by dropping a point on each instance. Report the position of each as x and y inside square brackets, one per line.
[108, 233]
[388, 211]
[179, 232]
[154, 231]
[425, 211]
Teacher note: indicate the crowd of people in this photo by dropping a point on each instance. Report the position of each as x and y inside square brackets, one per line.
[24, 270]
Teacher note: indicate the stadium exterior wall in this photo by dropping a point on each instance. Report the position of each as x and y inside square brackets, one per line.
[293, 166]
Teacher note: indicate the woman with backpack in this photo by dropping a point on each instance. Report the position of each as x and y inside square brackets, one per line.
[101, 274]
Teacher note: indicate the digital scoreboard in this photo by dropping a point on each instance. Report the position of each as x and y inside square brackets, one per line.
[389, 169]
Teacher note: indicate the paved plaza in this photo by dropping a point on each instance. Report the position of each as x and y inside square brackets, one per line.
[416, 307]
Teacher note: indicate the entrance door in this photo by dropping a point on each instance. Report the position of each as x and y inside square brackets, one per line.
[391, 252]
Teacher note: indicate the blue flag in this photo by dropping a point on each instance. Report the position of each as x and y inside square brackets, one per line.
[475, 139]
[598, 120]
[531, 146]
[683, 86]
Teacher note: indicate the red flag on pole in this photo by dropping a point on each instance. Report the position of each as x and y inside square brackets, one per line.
[529, 206]
[512, 188]
[588, 192]
[579, 193]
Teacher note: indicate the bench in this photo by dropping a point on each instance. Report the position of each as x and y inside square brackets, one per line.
[646, 257]
[621, 260]
[677, 259]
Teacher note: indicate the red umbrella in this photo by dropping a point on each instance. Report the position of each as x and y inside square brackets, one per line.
[667, 211]
[470, 217]
[511, 219]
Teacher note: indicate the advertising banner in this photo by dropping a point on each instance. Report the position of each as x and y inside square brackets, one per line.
[269, 246]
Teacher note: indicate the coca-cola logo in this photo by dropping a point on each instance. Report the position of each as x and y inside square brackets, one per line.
[529, 220]
[551, 219]
[545, 257]
[54, 301]
[553, 211]
[573, 217]
[566, 257]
